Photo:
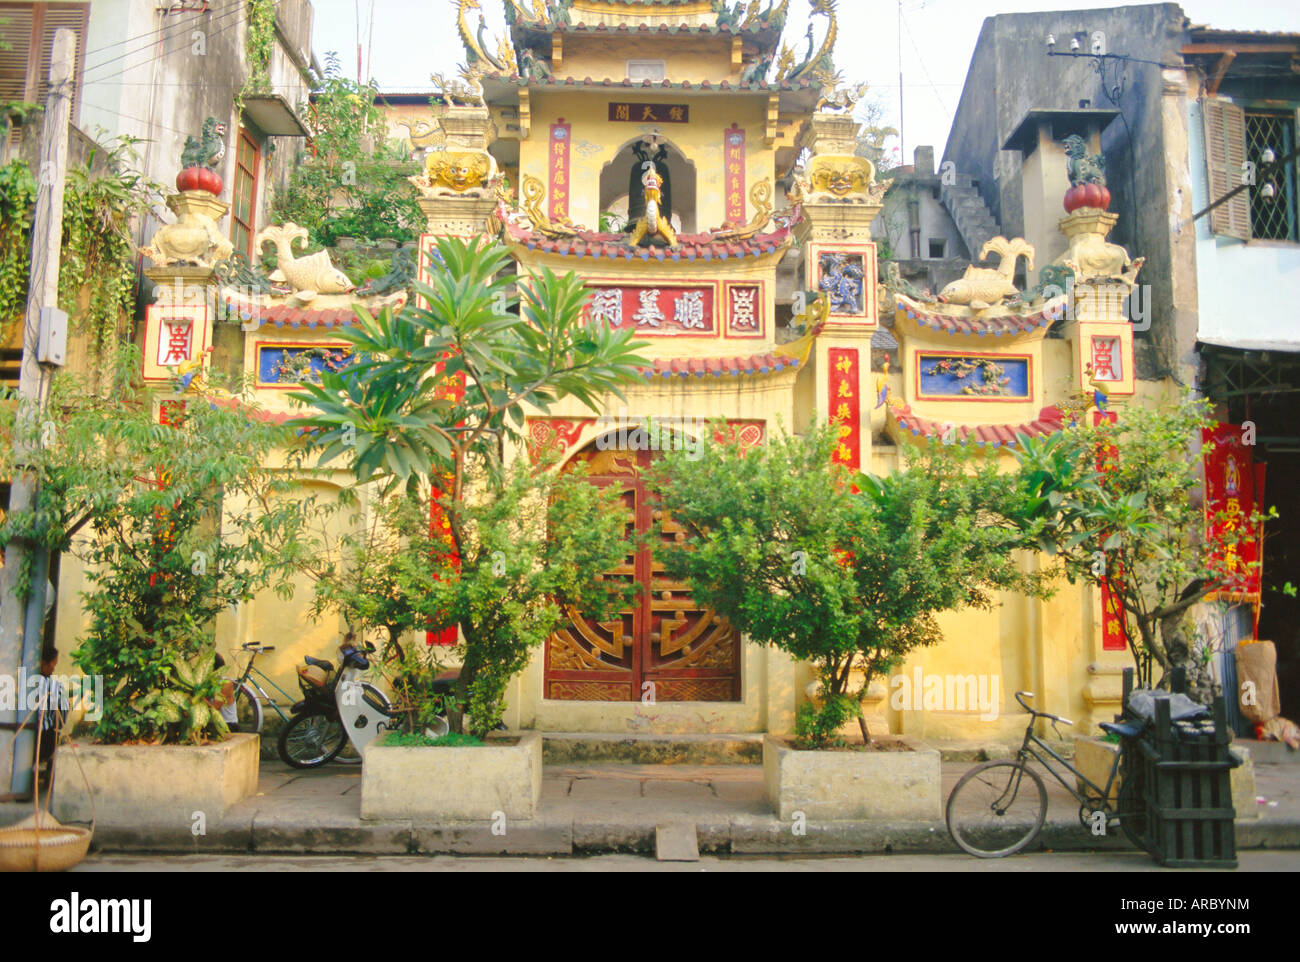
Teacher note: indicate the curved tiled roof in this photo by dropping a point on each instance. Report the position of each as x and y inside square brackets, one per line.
[761, 26]
[284, 316]
[725, 86]
[1049, 421]
[963, 326]
[692, 247]
[734, 366]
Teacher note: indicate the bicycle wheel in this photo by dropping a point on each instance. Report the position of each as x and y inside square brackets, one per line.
[248, 709]
[349, 754]
[1132, 805]
[996, 809]
[311, 740]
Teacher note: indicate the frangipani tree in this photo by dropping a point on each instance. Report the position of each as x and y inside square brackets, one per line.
[438, 392]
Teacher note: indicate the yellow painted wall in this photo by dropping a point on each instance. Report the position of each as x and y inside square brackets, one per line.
[597, 140]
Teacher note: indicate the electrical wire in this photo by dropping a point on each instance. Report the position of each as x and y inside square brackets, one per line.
[155, 57]
[921, 61]
[235, 6]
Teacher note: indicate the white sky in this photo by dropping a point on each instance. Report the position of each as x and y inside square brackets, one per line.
[414, 38]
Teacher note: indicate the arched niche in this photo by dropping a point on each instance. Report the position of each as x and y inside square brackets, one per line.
[614, 178]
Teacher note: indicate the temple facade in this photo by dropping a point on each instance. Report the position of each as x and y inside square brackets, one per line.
[703, 179]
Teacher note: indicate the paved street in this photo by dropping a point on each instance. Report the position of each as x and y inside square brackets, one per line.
[1288, 861]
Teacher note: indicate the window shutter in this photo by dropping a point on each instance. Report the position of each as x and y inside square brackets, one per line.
[1225, 152]
[16, 31]
[58, 16]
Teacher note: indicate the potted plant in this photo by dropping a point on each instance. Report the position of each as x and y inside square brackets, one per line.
[174, 524]
[845, 571]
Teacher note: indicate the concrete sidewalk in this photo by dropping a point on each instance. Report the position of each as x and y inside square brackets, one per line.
[610, 808]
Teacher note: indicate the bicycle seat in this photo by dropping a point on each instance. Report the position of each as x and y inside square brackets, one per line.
[1126, 730]
[319, 662]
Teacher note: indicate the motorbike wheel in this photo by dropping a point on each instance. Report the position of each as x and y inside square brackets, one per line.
[311, 740]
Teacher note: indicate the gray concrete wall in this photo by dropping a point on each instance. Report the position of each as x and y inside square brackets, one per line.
[176, 69]
[1010, 72]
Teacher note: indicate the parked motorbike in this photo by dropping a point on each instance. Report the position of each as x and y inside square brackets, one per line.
[340, 709]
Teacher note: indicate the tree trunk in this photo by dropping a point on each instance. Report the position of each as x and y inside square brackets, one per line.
[862, 724]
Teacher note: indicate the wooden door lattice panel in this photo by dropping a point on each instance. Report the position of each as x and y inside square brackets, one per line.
[664, 646]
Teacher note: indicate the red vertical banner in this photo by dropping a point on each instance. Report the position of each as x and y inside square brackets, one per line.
[733, 159]
[1231, 497]
[561, 171]
[450, 389]
[845, 405]
[1113, 637]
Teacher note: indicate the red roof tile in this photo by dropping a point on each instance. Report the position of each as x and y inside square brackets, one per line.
[962, 326]
[281, 315]
[1049, 421]
[691, 246]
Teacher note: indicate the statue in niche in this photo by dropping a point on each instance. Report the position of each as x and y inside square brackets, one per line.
[648, 151]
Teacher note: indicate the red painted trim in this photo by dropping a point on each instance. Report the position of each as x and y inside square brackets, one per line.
[760, 310]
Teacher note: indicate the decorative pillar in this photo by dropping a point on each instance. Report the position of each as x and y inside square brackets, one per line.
[840, 199]
[178, 325]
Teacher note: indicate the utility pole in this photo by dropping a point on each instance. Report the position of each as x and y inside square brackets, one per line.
[20, 622]
[902, 123]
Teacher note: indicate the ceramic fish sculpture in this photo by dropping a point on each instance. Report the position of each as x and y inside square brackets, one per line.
[982, 287]
[308, 276]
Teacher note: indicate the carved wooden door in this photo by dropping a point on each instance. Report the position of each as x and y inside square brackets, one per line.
[664, 644]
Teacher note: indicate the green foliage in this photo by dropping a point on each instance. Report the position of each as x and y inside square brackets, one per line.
[451, 740]
[1139, 523]
[259, 44]
[97, 257]
[162, 559]
[354, 183]
[426, 410]
[850, 581]
[818, 726]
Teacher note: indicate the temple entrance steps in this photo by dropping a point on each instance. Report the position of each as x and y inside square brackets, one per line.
[605, 748]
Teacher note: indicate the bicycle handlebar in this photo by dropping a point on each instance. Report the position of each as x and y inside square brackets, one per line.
[1040, 714]
[254, 646]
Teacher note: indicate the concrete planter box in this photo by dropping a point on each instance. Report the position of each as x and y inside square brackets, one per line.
[852, 786]
[452, 783]
[1094, 756]
[136, 784]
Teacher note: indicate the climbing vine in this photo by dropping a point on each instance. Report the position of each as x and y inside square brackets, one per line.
[97, 256]
[258, 45]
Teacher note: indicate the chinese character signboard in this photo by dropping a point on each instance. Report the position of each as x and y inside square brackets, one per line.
[174, 334]
[844, 405]
[1113, 618]
[1107, 348]
[656, 310]
[561, 171]
[1233, 492]
[733, 157]
[650, 113]
[745, 310]
[1107, 362]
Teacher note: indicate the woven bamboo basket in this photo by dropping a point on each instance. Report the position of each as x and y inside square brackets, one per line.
[42, 844]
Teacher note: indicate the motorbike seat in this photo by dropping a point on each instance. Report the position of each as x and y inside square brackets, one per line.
[319, 663]
[1124, 730]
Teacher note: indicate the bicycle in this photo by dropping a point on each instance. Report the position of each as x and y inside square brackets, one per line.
[998, 808]
[250, 696]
